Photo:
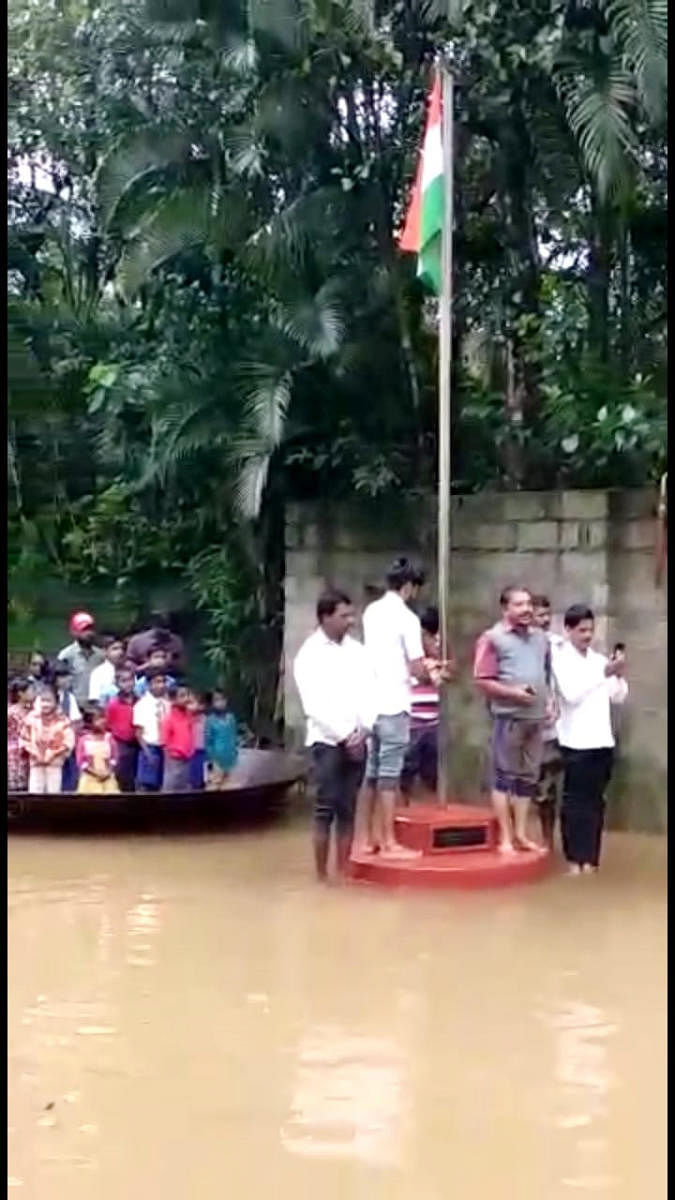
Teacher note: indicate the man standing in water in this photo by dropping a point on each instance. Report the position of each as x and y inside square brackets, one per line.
[333, 678]
[512, 668]
[393, 640]
[587, 684]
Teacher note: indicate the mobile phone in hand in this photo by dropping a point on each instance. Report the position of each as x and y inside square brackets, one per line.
[620, 648]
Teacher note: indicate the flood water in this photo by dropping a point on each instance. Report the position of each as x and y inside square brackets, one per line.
[191, 1016]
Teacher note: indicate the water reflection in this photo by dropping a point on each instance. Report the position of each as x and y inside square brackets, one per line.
[583, 1044]
[347, 1099]
[143, 926]
[193, 1017]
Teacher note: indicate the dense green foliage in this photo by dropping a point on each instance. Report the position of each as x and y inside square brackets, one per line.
[208, 313]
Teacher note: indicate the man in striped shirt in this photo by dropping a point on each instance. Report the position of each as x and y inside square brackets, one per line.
[421, 760]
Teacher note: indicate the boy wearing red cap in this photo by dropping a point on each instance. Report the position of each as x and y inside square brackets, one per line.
[82, 655]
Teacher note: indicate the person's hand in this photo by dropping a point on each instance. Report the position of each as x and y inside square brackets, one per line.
[616, 664]
[551, 713]
[355, 745]
[522, 696]
[447, 670]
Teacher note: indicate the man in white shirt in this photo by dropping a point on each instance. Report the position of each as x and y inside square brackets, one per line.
[335, 685]
[102, 679]
[393, 639]
[587, 684]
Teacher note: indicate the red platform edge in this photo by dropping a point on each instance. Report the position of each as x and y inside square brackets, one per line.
[456, 867]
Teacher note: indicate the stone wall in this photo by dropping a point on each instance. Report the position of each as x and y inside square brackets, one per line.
[592, 546]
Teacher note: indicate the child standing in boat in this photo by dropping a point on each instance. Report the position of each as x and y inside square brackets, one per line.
[220, 741]
[21, 700]
[197, 706]
[63, 683]
[148, 714]
[119, 713]
[178, 741]
[48, 739]
[96, 757]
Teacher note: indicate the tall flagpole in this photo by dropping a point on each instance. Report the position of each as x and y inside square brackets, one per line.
[444, 409]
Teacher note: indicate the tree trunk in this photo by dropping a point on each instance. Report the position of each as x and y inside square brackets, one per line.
[598, 279]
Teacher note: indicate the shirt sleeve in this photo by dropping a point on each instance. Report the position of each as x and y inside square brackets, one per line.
[485, 665]
[412, 639]
[367, 700]
[314, 697]
[112, 750]
[137, 715]
[166, 729]
[618, 689]
[75, 711]
[94, 689]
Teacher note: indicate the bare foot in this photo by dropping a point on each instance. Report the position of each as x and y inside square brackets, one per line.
[398, 851]
[365, 848]
[527, 844]
[589, 869]
[573, 869]
[506, 848]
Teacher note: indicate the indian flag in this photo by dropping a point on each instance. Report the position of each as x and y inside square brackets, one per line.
[424, 221]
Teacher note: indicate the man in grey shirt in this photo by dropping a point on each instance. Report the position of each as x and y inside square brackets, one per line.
[512, 668]
[82, 655]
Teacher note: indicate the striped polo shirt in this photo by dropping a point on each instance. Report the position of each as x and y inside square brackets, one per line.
[425, 704]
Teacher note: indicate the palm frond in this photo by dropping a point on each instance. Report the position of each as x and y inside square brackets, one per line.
[202, 216]
[240, 56]
[244, 151]
[133, 161]
[265, 388]
[599, 110]
[181, 222]
[280, 21]
[641, 27]
[299, 229]
[316, 324]
[250, 484]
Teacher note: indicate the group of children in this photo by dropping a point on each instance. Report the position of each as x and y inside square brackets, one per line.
[141, 731]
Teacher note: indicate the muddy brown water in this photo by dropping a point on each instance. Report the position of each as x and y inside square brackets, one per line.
[191, 1016]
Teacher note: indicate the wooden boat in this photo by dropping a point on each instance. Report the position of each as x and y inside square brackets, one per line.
[257, 787]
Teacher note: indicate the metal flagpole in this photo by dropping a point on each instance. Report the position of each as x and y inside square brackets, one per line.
[444, 398]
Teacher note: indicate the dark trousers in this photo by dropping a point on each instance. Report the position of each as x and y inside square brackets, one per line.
[421, 759]
[587, 773]
[337, 779]
[127, 760]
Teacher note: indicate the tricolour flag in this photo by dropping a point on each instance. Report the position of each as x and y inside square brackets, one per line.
[424, 221]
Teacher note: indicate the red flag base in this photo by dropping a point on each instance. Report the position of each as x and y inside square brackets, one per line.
[458, 846]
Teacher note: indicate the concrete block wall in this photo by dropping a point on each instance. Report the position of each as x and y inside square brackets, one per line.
[592, 546]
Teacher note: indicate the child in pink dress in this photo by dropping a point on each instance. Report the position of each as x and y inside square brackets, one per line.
[96, 758]
[21, 699]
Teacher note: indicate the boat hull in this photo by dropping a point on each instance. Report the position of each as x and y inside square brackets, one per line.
[258, 786]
